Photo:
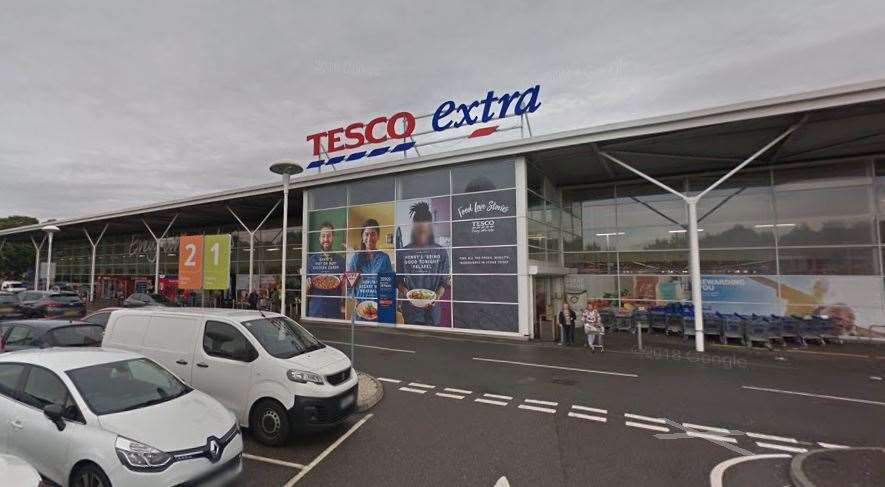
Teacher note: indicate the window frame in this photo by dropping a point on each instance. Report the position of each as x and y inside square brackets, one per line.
[253, 353]
[69, 398]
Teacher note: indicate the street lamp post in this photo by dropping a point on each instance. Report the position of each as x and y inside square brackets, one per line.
[286, 169]
[50, 230]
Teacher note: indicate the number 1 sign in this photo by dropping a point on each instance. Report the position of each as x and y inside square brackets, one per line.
[190, 262]
[216, 263]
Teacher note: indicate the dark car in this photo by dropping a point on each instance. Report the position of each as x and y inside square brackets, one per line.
[9, 306]
[50, 304]
[23, 334]
[99, 317]
[138, 300]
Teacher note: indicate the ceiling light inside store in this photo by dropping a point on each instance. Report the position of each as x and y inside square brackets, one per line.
[683, 231]
[272, 249]
[609, 234]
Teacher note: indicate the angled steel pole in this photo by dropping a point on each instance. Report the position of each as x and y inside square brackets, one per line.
[252, 237]
[94, 244]
[37, 249]
[157, 254]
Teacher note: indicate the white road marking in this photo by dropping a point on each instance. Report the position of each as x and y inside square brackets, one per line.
[497, 396]
[647, 426]
[706, 428]
[543, 403]
[558, 367]
[831, 445]
[645, 418]
[392, 381]
[589, 409]
[370, 346]
[423, 386]
[537, 408]
[316, 461]
[718, 471]
[273, 461]
[820, 396]
[409, 389]
[760, 436]
[457, 391]
[589, 417]
[450, 396]
[708, 436]
[489, 401]
[773, 446]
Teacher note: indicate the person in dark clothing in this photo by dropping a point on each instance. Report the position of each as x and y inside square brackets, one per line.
[567, 319]
[253, 300]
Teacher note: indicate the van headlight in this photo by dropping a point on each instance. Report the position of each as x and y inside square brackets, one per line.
[303, 377]
[141, 457]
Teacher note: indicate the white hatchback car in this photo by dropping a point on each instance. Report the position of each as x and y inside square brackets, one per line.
[112, 418]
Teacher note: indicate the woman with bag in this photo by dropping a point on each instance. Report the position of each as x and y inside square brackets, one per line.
[592, 326]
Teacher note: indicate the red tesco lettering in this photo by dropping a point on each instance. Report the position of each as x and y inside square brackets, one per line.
[380, 129]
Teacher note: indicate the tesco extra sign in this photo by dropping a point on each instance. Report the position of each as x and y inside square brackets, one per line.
[401, 125]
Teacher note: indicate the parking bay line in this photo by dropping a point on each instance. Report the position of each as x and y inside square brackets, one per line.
[647, 426]
[370, 346]
[450, 396]
[498, 396]
[316, 461]
[760, 436]
[542, 403]
[273, 461]
[392, 381]
[423, 386]
[773, 446]
[645, 418]
[589, 417]
[708, 436]
[809, 394]
[537, 408]
[489, 401]
[457, 391]
[409, 389]
[557, 367]
[589, 409]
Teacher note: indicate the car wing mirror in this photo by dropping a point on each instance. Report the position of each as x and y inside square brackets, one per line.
[55, 414]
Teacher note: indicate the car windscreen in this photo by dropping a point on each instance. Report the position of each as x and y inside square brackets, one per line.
[123, 386]
[282, 337]
[76, 336]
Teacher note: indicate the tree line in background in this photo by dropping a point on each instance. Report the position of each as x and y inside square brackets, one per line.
[16, 258]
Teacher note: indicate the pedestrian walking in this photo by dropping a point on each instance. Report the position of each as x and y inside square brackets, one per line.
[253, 300]
[593, 329]
[567, 318]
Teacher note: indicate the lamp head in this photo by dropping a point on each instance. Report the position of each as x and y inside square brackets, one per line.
[51, 229]
[288, 168]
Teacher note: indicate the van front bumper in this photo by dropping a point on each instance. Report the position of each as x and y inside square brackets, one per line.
[320, 412]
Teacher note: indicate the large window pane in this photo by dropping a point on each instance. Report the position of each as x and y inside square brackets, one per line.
[431, 182]
[592, 262]
[755, 261]
[483, 176]
[833, 260]
[646, 205]
[327, 196]
[654, 262]
[372, 190]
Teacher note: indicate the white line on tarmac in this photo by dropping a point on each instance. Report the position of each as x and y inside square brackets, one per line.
[645, 418]
[497, 396]
[589, 409]
[718, 471]
[589, 417]
[392, 381]
[760, 436]
[543, 403]
[409, 389]
[316, 461]
[537, 408]
[706, 428]
[820, 396]
[450, 396]
[489, 401]
[773, 446]
[370, 346]
[647, 426]
[457, 391]
[831, 445]
[558, 367]
[708, 436]
[423, 386]
[272, 461]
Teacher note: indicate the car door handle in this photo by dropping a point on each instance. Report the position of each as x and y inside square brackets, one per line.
[181, 362]
[201, 364]
[16, 424]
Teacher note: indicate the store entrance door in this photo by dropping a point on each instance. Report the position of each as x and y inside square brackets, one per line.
[548, 293]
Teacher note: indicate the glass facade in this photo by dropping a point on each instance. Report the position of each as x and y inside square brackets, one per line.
[775, 241]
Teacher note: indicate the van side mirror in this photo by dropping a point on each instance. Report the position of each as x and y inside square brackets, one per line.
[55, 412]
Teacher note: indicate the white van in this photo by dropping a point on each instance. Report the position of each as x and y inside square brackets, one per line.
[266, 368]
[12, 286]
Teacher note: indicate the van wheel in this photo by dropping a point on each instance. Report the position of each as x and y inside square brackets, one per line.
[89, 475]
[270, 423]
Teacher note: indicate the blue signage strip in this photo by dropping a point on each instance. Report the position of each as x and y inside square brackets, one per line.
[387, 297]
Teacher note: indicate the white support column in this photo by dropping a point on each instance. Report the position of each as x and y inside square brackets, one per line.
[157, 254]
[252, 238]
[526, 301]
[305, 242]
[94, 244]
[49, 261]
[695, 271]
[37, 249]
[285, 232]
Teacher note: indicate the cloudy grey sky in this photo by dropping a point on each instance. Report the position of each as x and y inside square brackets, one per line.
[110, 104]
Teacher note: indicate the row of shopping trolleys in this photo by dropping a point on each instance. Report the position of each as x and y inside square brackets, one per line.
[748, 330]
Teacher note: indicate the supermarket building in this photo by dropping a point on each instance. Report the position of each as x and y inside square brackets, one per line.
[491, 239]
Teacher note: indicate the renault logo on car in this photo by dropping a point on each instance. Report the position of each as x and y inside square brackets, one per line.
[214, 450]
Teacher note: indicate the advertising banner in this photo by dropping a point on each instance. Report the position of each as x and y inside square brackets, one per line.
[490, 204]
[484, 260]
[477, 233]
[216, 264]
[387, 297]
[190, 262]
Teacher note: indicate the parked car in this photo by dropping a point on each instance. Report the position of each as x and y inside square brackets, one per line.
[48, 304]
[16, 472]
[272, 373]
[9, 306]
[102, 418]
[13, 286]
[138, 300]
[23, 334]
[99, 317]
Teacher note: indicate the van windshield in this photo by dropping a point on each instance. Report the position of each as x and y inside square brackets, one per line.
[282, 337]
[127, 385]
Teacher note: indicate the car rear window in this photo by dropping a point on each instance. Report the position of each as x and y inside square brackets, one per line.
[77, 336]
[64, 298]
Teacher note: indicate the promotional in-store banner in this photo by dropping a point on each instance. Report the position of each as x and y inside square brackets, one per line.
[387, 297]
[190, 262]
[216, 262]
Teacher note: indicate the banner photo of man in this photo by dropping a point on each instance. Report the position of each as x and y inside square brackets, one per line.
[325, 268]
[422, 269]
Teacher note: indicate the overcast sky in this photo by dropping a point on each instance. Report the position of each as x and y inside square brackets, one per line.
[110, 104]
